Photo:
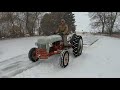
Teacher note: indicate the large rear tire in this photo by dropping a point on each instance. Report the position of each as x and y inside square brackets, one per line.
[64, 60]
[72, 39]
[32, 54]
[77, 45]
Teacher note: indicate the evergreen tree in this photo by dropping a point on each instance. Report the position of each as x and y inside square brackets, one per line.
[51, 21]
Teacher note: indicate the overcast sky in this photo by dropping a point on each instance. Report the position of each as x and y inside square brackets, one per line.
[82, 21]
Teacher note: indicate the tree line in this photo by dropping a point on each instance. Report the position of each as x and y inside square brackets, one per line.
[105, 22]
[18, 24]
[21, 24]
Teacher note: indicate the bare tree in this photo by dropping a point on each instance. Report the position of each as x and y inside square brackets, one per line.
[31, 19]
[105, 20]
[98, 19]
[111, 18]
[17, 24]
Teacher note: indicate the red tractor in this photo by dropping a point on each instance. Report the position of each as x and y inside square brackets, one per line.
[51, 45]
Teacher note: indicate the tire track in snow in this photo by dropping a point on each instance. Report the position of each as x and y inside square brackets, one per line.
[10, 60]
[10, 66]
[19, 69]
[17, 65]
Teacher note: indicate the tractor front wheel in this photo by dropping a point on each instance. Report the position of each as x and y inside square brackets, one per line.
[32, 55]
[64, 60]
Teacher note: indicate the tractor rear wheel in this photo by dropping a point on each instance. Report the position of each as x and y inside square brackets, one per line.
[64, 60]
[32, 55]
[77, 45]
[72, 39]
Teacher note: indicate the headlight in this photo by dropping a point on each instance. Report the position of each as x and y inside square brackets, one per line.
[50, 44]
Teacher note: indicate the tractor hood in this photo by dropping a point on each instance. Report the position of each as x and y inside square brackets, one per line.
[49, 39]
[46, 41]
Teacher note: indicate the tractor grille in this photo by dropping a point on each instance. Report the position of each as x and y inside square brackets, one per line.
[43, 46]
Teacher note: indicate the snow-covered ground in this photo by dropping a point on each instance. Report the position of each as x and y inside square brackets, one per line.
[14, 47]
[100, 58]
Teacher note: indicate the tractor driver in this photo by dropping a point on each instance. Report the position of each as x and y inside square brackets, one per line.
[63, 31]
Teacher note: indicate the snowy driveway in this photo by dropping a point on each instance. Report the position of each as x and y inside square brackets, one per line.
[15, 65]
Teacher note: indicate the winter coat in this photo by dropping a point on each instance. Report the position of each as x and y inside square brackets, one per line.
[63, 29]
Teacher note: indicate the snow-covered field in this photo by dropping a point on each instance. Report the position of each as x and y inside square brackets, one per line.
[100, 58]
